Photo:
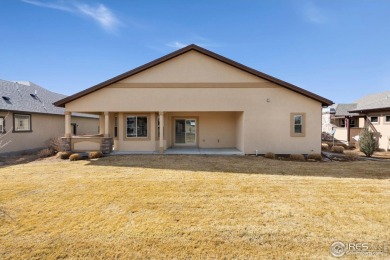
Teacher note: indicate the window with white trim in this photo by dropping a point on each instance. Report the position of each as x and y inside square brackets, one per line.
[115, 126]
[297, 124]
[22, 123]
[387, 119]
[342, 122]
[374, 119]
[136, 126]
[2, 124]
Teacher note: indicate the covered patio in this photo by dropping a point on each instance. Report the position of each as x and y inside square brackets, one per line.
[197, 132]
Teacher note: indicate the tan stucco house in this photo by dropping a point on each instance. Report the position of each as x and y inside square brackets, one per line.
[28, 119]
[196, 98]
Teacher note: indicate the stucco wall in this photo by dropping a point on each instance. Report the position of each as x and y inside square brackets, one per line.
[383, 129]
[44, 127]
[85, 125]
[197, 83]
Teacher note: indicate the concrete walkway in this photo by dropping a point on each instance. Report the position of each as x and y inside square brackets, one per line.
[188, 150]
[197, 150]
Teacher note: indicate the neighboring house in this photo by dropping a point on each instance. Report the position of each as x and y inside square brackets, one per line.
[28, 119]
[194, 97]
[375, 109]
[348, 120]
[345, 126]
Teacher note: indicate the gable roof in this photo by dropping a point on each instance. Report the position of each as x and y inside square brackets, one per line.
[373, 102]
[343, 109]
[20, 96]
[193, 47]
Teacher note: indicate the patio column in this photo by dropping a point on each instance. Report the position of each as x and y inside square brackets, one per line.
[106, 124]
[68, 129]
[161, 118]
[347, 120]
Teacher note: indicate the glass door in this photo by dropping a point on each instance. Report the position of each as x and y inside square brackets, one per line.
[185, 132]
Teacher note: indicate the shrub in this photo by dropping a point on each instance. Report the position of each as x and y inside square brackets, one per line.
[93, 155]
[345, 146]
[270, 155]
[337, 149]
[45, 153]
[350, 155]
[325, 146]
[330, 144]
[297, 157]
[367, 142]
[54, 144]
[314, 156]
[75, 157]
[64, 155]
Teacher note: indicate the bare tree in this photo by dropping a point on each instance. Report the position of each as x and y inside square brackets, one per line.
[3, 133]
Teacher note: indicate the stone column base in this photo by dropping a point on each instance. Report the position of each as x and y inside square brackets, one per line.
[106, 145]
[66, 144]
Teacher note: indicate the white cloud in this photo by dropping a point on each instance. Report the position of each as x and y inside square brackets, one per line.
[314, 14]
[176, 45]
[100, 14]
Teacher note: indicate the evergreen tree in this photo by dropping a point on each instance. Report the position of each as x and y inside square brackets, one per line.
[367, 142]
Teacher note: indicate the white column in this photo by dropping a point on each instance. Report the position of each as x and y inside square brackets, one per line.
[68, 129]
[161, 117]
[106, 125]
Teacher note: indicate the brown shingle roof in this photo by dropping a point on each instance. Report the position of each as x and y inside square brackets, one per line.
[193, 47]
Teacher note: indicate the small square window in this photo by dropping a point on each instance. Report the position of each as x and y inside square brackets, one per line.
[387, 118]
[374, 119]
[22, 123]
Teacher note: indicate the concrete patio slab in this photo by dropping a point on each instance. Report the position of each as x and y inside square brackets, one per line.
[187, 150]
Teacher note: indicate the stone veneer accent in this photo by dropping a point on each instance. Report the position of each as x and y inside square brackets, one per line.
[106, 145]
[65, 144]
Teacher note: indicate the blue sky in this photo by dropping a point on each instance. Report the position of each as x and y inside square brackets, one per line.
[337, 49]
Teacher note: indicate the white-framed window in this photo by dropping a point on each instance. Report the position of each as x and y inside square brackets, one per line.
[387, 119]
[136, 126]
[22, 123]
[115, 126]
[374, 119]
[158, 126]
[342, 122]
[2, 124]
[297, 124]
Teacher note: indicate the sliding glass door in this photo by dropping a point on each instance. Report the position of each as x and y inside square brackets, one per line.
[185, 132]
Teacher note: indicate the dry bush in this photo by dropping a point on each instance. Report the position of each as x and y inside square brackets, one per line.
[270, 155]
[54, 144]
[325, 146]
[297, 157]
[64, 155]
[330, 144]
[93, 155]
[314, 156]
[345, 146]
[337, 149]
[45, 153]
[75, 157]
[350, 155]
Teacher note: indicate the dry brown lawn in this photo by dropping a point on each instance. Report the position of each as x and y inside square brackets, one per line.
[190, 207]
